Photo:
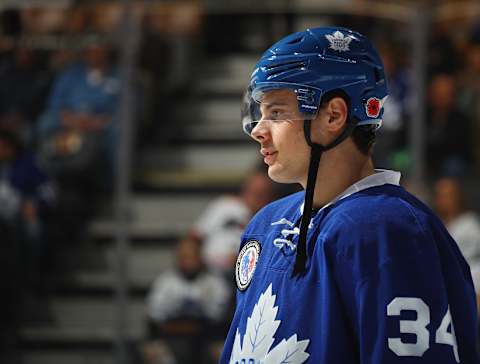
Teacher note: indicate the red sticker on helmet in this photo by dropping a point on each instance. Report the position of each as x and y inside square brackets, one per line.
[373, 107]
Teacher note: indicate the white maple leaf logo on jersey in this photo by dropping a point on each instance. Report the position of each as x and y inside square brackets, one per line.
[338, 41]
[258, 338]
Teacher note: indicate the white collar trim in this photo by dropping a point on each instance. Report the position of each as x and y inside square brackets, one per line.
[379, 178]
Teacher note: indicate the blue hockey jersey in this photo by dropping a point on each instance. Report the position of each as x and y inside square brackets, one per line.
[384, 283]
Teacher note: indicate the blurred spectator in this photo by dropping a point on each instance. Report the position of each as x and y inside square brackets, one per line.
[9, 273]
[448, 136]
[77, 142]
[173, 27]
[185, 306]
[442, 54]
[220, 227]
[462, 223]
[22, 93]
[168, 59]
[78, 127]
[26, 196]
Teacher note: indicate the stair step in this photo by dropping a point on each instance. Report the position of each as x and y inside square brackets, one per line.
[206, 158]
[78, 320]
[154, 216]
[191, 181]
[144, 265]
[224, 113]
[226, 75]
[211, 168]
[68, 356]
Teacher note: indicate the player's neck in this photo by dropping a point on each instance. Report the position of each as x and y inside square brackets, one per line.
[338, 170]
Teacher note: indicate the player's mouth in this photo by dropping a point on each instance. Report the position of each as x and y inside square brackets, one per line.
[269, 156]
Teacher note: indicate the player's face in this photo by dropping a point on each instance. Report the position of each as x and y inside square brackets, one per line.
[282, 140]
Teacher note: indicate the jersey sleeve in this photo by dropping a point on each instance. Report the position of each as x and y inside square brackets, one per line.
[408, 294]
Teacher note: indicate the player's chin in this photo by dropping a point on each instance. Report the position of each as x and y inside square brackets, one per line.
[279, 174]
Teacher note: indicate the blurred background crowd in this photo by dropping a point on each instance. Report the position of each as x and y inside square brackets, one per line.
[195, 179]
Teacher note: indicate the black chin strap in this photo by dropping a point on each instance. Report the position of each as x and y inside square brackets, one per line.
[315, 155]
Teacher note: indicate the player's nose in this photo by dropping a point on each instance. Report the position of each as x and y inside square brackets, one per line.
[261, 131]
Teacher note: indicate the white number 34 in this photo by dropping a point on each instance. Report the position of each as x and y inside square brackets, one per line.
[418, 327]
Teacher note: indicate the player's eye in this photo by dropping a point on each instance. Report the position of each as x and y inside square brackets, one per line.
[277, 114]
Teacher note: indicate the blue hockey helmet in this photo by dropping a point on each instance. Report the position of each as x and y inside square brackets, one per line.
[312, 63]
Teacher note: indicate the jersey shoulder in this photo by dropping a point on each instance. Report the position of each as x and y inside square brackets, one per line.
[385, 226]
[385, 219]
[381, 205]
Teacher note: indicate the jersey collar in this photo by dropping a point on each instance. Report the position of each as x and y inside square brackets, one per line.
[379, 178]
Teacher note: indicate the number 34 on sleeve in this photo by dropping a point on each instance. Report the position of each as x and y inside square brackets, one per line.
[418, 328]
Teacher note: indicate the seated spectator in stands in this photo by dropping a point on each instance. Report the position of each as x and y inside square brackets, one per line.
[77, 130]
[26, 195]
[185, 305]
[462, 223]
[448, 138]
[77, 139]
[220, 227]
[22, 92]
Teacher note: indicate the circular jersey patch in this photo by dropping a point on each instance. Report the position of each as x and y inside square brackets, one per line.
[246, 264]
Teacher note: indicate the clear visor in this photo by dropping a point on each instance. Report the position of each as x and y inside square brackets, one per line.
[275, 102]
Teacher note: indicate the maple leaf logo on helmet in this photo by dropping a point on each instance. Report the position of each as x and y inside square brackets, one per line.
[338, 41]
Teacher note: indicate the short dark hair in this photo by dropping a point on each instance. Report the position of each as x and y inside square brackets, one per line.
[363, 136]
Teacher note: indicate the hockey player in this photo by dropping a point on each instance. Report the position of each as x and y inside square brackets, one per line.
[354, 270]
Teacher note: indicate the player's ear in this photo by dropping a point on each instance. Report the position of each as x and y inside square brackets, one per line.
[337, 111]
[330, 121]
